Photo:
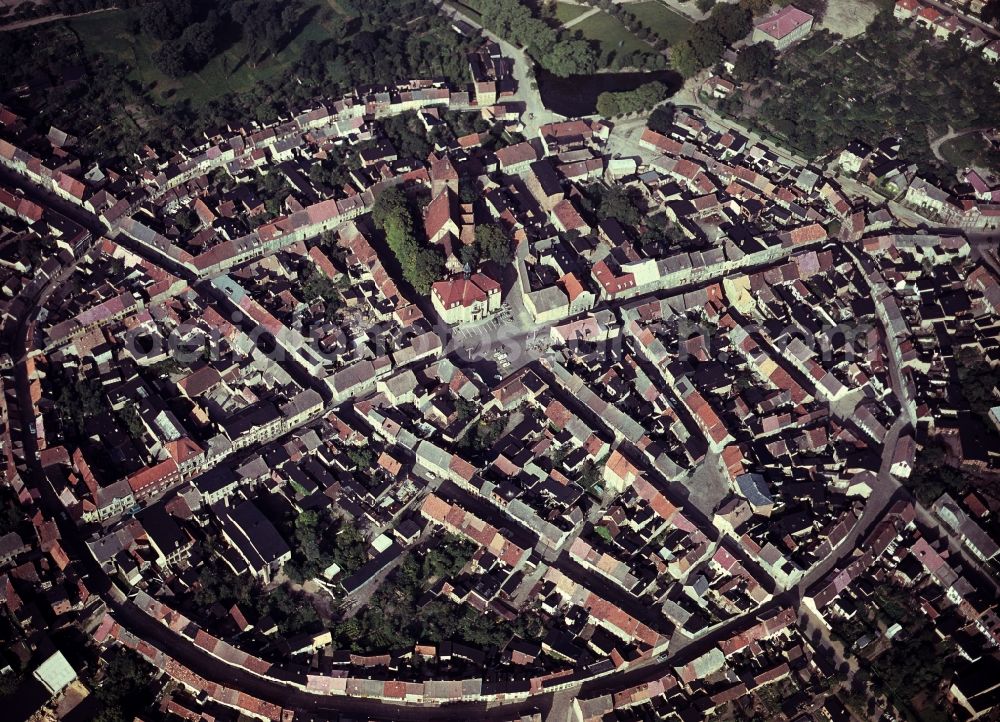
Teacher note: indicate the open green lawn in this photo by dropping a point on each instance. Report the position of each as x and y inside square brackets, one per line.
[611, 34]
[567, 11]
[668, 24]
[112, 33]
[965, 150]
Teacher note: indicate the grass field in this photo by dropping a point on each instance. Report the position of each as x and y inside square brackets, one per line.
[229, 71]
[965, 150]
[669, 25]
[567, 11]
[611, 34]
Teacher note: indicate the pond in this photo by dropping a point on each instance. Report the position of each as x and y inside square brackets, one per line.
[577, 94]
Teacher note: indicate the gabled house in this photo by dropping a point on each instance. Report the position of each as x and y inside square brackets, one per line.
[257, 546]
[170, 542]
[444, 224]
[787, 26]
[464, 300]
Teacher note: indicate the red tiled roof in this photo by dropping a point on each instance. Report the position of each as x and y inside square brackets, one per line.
[465, 291]
[182, 449]
[439, 211]
[929, 13]
[151, 475]
[443, 169]
[516, 154]
[612, 283]
[660, 142]
[784, 22]
[808, 234]
[568, 216]
[572, 286]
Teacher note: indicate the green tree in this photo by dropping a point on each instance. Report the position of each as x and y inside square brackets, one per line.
[165, 20]
[421, 266]
[755, 61]
[639, 100]
[756, 7]
[662, 118]
[129, 416]
[391, 207]
[78, 401]
[614, 202]
[349, 548]
[350, 629]
[427, 268]
[684, 59]
[121, 693]
[493, 244]
[591, 475]
[198, 42]
[318, 287]
[571, 57]
[362, 457]
[469, 255]
[608, 104]
[977, 380]
[731, 22]
[707, 42]
[170, 60]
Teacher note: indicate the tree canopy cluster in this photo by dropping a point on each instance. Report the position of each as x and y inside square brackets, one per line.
[187, 34]
[513, 21]
[708, 38]
[932, 476]
[319, 540]
[12, 517]
[913, 667]
[643, 98]
[421, 266]
[889, 82]
[362, 457]
[123, 692]
[395, 617]
[662, 118]
[977, 379]
[217, 583]
[317, 286]
[754, 62]
[484, 434]
[612, 202]
[78, 401]
[192, 33]
[491, 244]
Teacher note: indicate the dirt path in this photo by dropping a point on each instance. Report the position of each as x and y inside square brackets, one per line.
[51, 19]
[950, 135]
[580, 18]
